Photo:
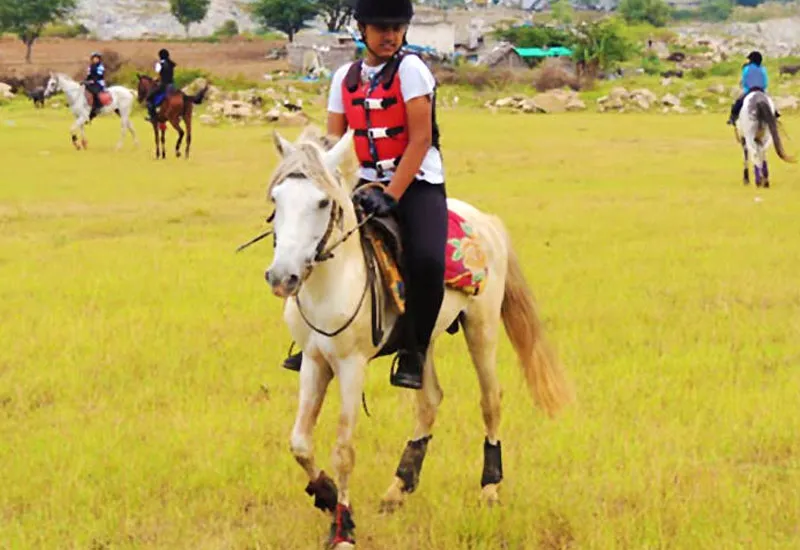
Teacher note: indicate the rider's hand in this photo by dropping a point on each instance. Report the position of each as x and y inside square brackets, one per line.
[373, 200]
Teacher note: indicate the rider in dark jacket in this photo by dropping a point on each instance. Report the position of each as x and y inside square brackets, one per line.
[96, 81]
[165, 68]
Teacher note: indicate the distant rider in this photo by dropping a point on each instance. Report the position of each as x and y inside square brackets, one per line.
[165, 68]
[96, 82]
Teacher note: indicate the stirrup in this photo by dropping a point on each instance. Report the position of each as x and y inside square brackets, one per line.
[406, 379]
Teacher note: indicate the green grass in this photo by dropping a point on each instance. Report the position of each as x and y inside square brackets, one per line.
[142, 405]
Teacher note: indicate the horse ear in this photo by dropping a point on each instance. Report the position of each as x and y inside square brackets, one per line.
[335, 155]
[283, 146]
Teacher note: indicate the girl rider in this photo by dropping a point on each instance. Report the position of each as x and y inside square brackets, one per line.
[388, 98]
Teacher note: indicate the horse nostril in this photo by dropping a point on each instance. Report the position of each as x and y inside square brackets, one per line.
[268, 276]
[293, 280]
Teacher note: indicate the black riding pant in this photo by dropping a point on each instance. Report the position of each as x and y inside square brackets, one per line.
[422, 213]
[161, 88]
[94, 89]
[739, 103]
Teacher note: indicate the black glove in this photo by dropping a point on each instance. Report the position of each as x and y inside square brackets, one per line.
[374, 200]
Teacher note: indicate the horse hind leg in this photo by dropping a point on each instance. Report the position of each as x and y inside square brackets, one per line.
[746, 167]
[481, 326]
[187, 119]
[177, 125]
[765, 173]
[406, 478]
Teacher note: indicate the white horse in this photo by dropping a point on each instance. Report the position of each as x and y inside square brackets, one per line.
[328, 312]
[122, 101]
[756, 130]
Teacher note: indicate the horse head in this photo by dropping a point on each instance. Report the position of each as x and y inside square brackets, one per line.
[311, 204]
[53, 86]
[145, 84]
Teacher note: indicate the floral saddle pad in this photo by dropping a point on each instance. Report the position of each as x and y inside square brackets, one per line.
[466, 263]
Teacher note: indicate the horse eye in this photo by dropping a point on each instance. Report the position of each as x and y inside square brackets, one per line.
[324, 203]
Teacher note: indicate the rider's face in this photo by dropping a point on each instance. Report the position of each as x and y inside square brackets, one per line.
[95, 59]
[384, 40]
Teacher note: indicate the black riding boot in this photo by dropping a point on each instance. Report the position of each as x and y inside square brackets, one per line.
[151, 112]
[410, 360]
[293, 362]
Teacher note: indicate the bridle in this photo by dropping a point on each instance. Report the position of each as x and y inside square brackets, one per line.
[323, 253]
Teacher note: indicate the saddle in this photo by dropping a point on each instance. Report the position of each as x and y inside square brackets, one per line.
[159, 98]
[466, 269]
[104, 98]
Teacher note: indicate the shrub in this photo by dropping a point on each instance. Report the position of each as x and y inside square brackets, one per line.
[652, 64]
[65, 30]
[229, 28]
[552, 74]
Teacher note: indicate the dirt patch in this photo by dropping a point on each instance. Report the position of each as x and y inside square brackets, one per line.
[228, 59]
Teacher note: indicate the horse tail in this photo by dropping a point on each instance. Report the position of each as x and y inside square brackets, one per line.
[543, 372]
[198, 98]
[765, 115]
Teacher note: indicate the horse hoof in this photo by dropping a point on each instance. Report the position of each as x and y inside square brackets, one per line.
[394, 497]
[490, 496]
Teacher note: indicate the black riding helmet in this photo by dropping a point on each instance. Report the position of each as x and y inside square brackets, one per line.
[755, 58]
[163, 54]
[384, 12]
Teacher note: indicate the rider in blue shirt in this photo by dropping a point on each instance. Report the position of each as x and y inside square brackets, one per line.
[754, 78]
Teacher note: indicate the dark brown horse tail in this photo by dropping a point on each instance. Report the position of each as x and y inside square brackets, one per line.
[764, 115]
[198, 98]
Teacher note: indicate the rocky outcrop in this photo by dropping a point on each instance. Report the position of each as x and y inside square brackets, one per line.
[553, 101]
[109, 19]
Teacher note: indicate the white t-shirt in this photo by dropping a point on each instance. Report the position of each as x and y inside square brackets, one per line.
[416, 80]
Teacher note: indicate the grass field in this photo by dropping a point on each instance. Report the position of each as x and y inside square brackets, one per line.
[142, 404]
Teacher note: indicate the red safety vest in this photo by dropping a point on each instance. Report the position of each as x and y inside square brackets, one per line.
[378, 116]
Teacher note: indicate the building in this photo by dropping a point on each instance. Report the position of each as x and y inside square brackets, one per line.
[439, 35]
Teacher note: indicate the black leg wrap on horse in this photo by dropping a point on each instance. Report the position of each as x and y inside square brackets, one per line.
[324, 491]
[492, 464]
[411, 463]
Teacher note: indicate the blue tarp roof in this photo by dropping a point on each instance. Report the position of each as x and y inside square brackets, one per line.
[555, 51]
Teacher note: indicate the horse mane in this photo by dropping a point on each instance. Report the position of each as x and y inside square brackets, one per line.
[308, 159]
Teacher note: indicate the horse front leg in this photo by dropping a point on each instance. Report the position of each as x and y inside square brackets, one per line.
[351, 385]
[314, 379]
[406, 477]
[155, 136]
[77, 126]
[163, 130]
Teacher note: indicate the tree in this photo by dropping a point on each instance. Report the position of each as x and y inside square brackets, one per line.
[288, 16]
[336, 13]
[27, 18]
[600, 45]
[655, 12]
[189, 11]
[562, 11]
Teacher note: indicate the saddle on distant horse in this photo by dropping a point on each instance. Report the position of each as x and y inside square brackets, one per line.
[103, 97]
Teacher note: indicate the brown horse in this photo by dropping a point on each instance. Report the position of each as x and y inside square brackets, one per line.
[176, 105]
